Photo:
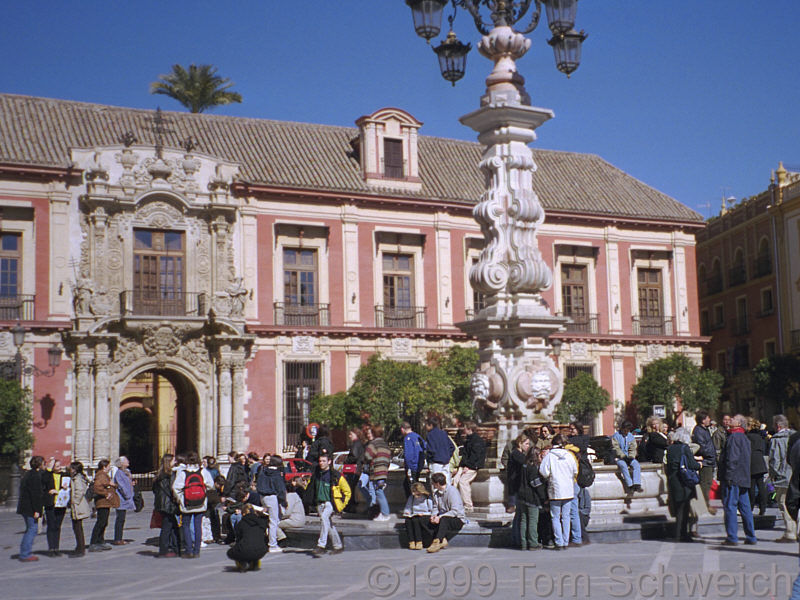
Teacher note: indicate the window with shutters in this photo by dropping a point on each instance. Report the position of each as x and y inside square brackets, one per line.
[393, 158]
[10, 263]
[158, 272]
[573, 290]
[650, 293]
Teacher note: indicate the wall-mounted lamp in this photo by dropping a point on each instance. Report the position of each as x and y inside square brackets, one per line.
[353, 298]
[616, 308]
[447, 301]
[556, 347]
[21, 366]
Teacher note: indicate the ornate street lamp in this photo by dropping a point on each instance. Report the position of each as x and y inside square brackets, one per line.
[427, 15]
[566, 42]
[517, 381]
[21, 365]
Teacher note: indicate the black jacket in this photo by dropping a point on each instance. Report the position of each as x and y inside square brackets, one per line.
[677, 491]
[317, 447]
[656, 446]
[30, 494]
[758, 449]
[48, 483]
[163, 500]
[532, 489]
[473, 456]
[236, 473]
[251, 539]
[514, 471]
[702, 437]
[356, 456]
[270, 482]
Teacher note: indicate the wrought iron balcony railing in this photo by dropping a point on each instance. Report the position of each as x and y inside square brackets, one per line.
[286, 313]
[653, 326]
[407, 317]
[740, 325]
[581, 322]
[713, 285]
[17, 308]
[737, 275]
[166, 303]
[762, 265]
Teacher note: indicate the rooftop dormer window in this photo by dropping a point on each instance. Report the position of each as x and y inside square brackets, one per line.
[387, 149]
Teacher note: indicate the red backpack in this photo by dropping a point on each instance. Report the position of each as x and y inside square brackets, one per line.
[194, 490]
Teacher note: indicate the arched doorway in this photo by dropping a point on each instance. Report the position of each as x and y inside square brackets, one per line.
[158, 414]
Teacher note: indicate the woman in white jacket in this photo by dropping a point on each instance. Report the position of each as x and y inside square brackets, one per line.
[560, 468]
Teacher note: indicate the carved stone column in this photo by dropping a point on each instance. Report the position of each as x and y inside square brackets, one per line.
[225, 430]
[83, 406]
[517, 381]
[238, 401]
[101, 407]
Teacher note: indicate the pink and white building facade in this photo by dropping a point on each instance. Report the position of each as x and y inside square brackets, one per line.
[215, 273]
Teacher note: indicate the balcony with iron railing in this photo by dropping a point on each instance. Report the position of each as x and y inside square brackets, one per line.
[762, 266]
[737, 275]
[18, 307]
[166, 303]
[302, 315]
[653, 326]
[407, 317]
[580, 322]
[740, 325]
[713, 285]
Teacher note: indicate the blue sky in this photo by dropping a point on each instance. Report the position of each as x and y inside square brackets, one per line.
[694, 98]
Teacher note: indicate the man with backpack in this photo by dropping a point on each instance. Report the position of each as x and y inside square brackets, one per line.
[413, 455]
[190, 488]
[440, 449]
[583, 480]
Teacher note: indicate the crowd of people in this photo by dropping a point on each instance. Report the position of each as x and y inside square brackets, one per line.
[546, 474]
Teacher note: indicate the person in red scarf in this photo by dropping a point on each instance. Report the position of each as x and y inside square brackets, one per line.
[734, 474]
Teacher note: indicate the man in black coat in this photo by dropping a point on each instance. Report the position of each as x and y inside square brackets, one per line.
[473, 458]
[734, 473]
[702, 437]
[30, 506]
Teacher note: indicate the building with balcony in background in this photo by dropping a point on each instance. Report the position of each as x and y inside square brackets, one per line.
[209, 275]
[748, 269]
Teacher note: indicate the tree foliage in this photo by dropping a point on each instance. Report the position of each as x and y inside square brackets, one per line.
[197, 88]
[15, 419]
[386, 391]
[583, 398]
[676, 377]
[777, 379]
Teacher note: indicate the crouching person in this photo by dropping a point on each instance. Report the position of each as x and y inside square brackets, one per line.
[329, 492]
[293, 516]
[448, 513]
[251, 540]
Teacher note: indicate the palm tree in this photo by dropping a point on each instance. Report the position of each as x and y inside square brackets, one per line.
[197, 88]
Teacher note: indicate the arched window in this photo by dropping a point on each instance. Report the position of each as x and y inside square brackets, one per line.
[763, 260]
[701, 278]
[738, 273]
[714, 285]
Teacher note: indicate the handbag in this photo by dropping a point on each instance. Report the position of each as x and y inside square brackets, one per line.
[688, 477]
[156, 519]
[138, 501]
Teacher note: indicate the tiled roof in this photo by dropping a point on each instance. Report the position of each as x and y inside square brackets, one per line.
[41, 131]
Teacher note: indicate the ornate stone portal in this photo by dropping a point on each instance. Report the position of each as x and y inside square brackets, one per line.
[193, 330]
[517, 382]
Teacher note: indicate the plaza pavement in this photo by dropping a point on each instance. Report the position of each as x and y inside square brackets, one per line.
[634, 570]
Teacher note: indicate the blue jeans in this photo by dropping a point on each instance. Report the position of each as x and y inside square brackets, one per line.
[560, 515]
[325, 510]
[26, 545]
[624, 468]
[575, 516]
[738, 498]
[367, 493]
[796, 589]
[193, 532]
[380, 496]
